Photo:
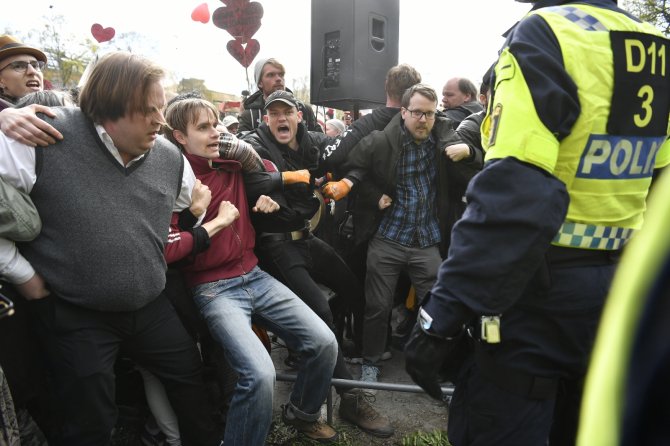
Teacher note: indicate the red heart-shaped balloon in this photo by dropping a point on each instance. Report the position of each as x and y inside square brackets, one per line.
[234, 3]
[201, 13]
[240, 18]
[244, 54]
[102, 34]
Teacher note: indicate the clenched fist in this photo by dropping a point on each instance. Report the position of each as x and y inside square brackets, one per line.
[265, 205]
[337, 189]
[201, 196]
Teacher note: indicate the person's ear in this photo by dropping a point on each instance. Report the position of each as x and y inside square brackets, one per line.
[179, 136]
[299, 115]
[265, 119]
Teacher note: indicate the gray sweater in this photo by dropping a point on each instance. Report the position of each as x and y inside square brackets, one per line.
[103, 226]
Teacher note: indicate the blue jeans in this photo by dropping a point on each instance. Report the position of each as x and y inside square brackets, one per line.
[228, 307]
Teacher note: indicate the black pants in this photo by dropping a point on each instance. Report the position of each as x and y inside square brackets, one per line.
[548, 333]
[80, 347]
[22, 362]
[300, 264]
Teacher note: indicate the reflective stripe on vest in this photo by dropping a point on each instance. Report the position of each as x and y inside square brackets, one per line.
[585, 236]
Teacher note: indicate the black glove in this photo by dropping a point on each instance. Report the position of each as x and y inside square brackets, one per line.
[425, 356]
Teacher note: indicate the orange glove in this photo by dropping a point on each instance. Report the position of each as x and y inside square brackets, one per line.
[295, 176]
[336, 189]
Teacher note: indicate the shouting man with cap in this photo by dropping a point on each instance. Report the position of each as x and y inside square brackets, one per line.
[298, 258]
[269, 77]
[20, 70]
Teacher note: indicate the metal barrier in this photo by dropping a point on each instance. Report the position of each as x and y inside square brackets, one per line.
[447, 391]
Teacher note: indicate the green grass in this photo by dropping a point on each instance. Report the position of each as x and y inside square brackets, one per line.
[282, 435]
[435, 438]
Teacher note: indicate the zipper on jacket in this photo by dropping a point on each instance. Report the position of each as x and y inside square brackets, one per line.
[241, 256]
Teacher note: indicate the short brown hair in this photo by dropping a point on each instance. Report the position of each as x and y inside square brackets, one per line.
[399, 79]
[118, 85]
[422, 89]
[183, 112]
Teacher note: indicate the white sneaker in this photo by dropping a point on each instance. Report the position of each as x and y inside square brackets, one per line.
[386, 355]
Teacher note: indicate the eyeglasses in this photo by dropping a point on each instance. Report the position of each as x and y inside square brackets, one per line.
[21, 66]
[418, 114]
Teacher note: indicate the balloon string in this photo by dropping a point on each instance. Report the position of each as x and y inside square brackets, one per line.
[246, 71]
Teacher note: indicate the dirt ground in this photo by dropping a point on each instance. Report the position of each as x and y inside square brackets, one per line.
[408, 412]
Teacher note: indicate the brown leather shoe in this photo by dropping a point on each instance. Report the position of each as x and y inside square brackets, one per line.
[355, 408]
[314, 430]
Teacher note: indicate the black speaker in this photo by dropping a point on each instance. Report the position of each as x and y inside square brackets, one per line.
[354, 43]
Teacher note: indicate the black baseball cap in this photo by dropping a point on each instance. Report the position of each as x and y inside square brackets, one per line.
[282, 96]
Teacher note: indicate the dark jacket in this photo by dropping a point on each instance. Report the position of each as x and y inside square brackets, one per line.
[337, 153]
[470, 132]
[379, 153]
[299, 197]
[458, 114]
[253, 113]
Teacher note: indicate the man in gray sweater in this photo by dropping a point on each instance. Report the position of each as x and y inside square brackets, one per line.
[105, 194]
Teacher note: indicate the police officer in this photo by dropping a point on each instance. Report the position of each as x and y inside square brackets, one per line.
[577, 125]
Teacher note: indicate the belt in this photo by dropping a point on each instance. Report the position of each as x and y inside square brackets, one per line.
[587, 236]
[562, 256]
[284, 236]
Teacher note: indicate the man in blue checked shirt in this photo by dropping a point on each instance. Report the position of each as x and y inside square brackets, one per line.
[419, 175]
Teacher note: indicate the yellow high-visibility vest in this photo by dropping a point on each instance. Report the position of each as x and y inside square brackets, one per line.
[621, 69]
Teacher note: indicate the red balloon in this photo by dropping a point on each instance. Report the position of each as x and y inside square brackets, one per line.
[240, 18]
[244, 54]
[201, 13]
[102, 34]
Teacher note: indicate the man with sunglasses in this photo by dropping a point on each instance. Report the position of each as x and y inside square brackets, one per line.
[418, 191]
[20, 70]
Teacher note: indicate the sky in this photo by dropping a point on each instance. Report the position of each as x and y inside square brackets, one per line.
[440, 38]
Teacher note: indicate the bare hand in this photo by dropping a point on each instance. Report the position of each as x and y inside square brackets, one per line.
[23, 125]
[33, 289]
[457, 152]
[228, 213]
[384, 202]
[265, 205]
[201, 196]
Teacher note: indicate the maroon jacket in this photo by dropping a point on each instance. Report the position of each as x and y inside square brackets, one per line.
[231, 251]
